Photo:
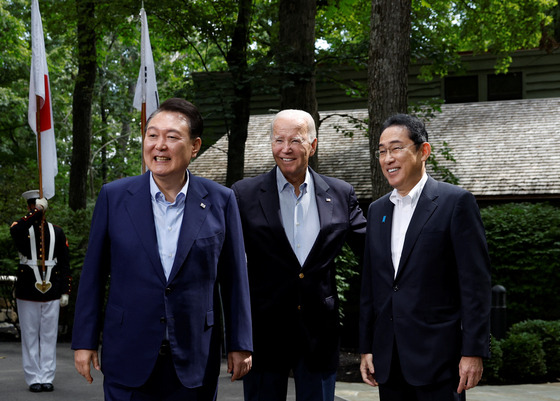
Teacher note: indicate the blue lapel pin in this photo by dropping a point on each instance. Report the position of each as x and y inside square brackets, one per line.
[384, 217]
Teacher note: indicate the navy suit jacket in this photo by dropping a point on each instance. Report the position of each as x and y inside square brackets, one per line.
[437, 308]
[295, 308]
[142, 305]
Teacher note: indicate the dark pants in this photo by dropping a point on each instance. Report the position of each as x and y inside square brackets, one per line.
[273, 385]
[162, 385]
[397, 389]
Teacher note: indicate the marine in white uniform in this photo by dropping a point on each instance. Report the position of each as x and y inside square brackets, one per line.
[41, 289]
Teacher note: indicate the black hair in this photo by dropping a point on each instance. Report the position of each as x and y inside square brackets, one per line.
[416, 128]
[186, 108]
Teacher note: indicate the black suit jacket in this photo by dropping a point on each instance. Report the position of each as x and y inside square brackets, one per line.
[295, 308]
[437, 309]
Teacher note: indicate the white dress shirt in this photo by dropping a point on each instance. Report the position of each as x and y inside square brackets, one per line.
[402, 214]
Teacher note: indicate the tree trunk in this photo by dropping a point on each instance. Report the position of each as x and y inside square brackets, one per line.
[103, 94]
[237, 63]
[296, 58]
[82, 104]
[389, 55]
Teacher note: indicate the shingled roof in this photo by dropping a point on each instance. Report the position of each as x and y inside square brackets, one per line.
[502, 150]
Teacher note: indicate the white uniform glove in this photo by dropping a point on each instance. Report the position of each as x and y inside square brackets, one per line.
[63, 300]
[42, 204]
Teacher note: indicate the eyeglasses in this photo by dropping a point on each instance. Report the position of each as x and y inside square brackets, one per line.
[395, 151]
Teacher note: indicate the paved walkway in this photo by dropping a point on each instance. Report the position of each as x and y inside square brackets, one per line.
[70, 386]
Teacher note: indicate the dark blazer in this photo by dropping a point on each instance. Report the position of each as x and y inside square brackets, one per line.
[142, 304]
[437, 309]
[295, 308]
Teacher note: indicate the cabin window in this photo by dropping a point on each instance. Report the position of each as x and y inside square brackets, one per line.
[461, 89]
[505, 86]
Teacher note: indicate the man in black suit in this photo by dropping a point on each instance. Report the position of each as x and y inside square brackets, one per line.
[295, 223]
[425, 301]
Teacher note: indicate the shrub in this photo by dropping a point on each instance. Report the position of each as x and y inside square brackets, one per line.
[347, 267]
[524, 245]
[523, 358]
[493, 365]
[548, 333]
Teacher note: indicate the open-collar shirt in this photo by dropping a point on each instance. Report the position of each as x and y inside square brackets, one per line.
[300, 216]
[168, 217]
[402, 214]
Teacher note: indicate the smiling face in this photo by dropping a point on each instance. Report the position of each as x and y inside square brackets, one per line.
[291, 148]
[168, 147]
[405, 168]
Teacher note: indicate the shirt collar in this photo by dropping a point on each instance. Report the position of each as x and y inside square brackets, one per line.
[158, 196]
[283, 183]
[414, 193]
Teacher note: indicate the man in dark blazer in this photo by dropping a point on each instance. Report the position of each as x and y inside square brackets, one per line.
[425, 300]
[166, 244]
[295, 223]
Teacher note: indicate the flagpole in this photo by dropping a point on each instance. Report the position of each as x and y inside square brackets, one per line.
[146, 95]
[39, 161]
[40, 164]
[143, 128]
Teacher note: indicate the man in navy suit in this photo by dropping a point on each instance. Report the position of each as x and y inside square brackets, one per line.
[425, 300]
[166, 245]
[295, 223]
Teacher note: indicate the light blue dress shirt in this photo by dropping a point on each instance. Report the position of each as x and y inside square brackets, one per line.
[167, 218]
[300, 216]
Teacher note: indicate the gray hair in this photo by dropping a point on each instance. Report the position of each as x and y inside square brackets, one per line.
[305, 119]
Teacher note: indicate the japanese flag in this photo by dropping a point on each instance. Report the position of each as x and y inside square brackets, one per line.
[39, 86]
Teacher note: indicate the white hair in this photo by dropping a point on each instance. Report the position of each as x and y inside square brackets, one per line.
[306, 120]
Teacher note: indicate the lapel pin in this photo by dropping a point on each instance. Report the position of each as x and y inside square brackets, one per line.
[328, 199]
[384, 217]
[202, 205]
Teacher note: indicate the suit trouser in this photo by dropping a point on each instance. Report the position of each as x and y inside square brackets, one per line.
[162, 385]
[273, 385]
[38, 322]
[397, 388]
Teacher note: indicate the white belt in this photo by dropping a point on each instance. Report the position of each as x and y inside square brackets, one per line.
[42, 284]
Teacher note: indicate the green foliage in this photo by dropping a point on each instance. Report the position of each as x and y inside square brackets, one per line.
[343, 25]
[493, 365]
[346, 268]
[8, 252]
[548, 333]
[441, 171]
[488, 27]
[524, 246]
[530, 353]
[190, 37]
[442, 29]
[523, 358]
